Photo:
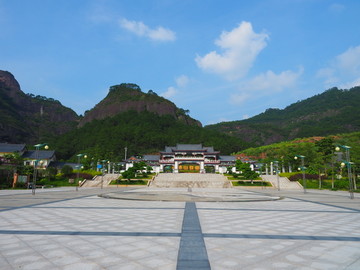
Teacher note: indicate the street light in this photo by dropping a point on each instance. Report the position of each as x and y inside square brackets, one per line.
[103, 172]
[78, 167]
[302, 169]
[37, 147]
[348, 165]
[277, 173]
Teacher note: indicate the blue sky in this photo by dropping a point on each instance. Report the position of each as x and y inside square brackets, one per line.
[223, 60]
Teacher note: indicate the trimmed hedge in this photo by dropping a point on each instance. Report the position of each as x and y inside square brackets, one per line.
[299, 176]
[248, 183]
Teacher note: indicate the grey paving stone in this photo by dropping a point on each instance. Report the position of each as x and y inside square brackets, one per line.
[319, 230]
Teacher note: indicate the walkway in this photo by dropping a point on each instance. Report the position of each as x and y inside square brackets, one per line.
[65, 229]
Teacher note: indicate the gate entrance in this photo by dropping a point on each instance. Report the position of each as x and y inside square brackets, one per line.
[189, 168]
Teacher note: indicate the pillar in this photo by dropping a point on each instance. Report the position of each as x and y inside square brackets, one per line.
[176, 169]
[202, 167]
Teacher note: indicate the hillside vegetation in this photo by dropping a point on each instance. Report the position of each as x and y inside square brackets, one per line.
[332, 112]
[319, 152]
[142, 133]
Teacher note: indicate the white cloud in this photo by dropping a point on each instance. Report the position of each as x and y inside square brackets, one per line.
[349, 61]
[351, 84]
[272, 82]
[140, 29]
[182, 81]
[265, 84]
[343, 71]
[328, 74]
[170, 92]
[161, 34]
[239, 98]
[240, 48]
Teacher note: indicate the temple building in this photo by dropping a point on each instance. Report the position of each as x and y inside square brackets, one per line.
[189, 158]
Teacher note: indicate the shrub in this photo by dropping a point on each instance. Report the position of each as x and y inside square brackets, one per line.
[66, 170]
[299, 176]
[81, 175]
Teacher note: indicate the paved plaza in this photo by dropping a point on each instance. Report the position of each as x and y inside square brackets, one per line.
[65, 229]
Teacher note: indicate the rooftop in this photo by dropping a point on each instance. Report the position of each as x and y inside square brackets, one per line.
[188, 147]
[11, 148]
[40, 154]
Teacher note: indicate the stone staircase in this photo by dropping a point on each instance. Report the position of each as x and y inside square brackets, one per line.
[284, 182]
[99, 180]
[192, 180]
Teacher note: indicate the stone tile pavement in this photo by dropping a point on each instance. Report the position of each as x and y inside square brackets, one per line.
[69, 230]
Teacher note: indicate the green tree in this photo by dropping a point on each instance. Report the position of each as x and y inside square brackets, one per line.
[51, 172]
[245, 170]
[129, 173]
[66, 170]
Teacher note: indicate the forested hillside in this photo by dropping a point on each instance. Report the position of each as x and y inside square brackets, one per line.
[142, 133]
[146, 123]
[26, 118]
[318, 151]
[334, 111]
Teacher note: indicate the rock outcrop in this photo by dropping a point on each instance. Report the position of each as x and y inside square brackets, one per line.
[26, 118]
[129, 97]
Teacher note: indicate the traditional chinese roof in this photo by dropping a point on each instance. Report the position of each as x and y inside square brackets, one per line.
[12, 148]
[227, 158]
[188, 147]
[41, 154]
[151, 157]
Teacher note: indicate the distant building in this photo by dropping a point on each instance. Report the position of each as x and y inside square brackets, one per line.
[43, 157]
[187, 158]
[8, 148]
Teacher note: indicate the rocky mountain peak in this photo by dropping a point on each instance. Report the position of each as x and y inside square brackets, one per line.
[8, 82]
[129, 97]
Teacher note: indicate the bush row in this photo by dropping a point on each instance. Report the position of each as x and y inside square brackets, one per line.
[299, 176]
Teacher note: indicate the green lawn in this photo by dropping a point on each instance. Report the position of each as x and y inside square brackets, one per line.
[62, 182]
[326, 184]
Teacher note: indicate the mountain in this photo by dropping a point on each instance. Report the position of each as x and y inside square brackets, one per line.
[141, 132]
[25, 118]
[129, 97]
[332, 112]
[126, 117]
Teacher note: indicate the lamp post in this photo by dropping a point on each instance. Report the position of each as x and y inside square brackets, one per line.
[103, 172]
[260, 165]
[78, 166]
[276, 163]
[302, 169]
[348, 165]
[37, 147]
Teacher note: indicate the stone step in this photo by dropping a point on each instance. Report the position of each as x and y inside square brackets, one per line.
[99, 180]
[284, 182]
[191, 180]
